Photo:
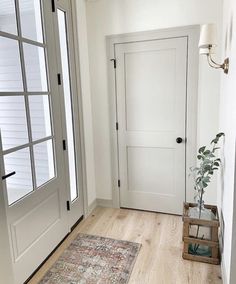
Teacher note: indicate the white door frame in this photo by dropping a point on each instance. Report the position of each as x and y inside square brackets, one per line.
[192, 33]
[80, 106]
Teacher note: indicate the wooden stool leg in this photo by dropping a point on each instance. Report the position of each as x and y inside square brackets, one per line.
[214, 252]
[185, 230]
[214, 234]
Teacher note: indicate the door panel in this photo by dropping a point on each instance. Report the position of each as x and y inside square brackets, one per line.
[37, 222]
[145, 174]
[150, 112]
[151, 104]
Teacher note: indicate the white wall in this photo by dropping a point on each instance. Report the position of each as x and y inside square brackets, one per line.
[227, 195]
[86, 100]
[106, 17]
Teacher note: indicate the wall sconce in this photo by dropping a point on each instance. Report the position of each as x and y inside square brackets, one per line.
[207, 44]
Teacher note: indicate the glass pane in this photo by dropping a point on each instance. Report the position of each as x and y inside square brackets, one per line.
[31, 21]
[21, 183]
[10, 66]
[40, 116]
[68, 104]
[35, 66]
[44, 162]
[8, 17]
[13, 123]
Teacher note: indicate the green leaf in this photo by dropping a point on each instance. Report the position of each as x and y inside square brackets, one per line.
[198, 180]
[199, 157]
[214, 141]
[206, 179]
[207, 168]
[202, 149]
[216, 164]
[204, 184]
[220, 134]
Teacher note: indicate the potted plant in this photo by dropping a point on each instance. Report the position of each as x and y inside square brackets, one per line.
[208, 164]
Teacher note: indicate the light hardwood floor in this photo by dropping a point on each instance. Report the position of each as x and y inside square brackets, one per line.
[159, 261]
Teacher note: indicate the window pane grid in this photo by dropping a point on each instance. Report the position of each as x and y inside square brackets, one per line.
[23, 39]
[6, 152]
[41, 167]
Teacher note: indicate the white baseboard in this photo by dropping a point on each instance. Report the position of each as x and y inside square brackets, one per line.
[104, 202]
[101, 203]
[223, 272]
[92, 206]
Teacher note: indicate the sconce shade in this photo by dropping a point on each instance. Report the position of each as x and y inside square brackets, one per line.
[204, 51]
[207, 51]
[208, 36]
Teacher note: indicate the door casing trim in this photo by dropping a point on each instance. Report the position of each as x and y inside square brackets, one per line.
[192, 33]
[80, 106]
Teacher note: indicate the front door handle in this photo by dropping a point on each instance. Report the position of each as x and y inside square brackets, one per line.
[179, 140]
[8, 175]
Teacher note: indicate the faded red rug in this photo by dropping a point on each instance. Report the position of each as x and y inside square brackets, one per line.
[92, 259]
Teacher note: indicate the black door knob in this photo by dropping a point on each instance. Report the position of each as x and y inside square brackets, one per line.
[179, 140]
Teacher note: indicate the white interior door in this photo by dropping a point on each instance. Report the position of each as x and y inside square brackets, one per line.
[70, 108]
[151, 109]
[32, 161]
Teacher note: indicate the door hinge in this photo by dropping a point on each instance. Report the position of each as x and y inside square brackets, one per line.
[64, 145]
[114, 62]
[117, 126]
[59, 79]
[68, 205]
[53, 6]
[118, 182]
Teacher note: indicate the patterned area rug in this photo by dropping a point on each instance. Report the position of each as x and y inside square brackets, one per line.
[94, 260]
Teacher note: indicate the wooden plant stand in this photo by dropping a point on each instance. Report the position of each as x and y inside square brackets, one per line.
[213, 242]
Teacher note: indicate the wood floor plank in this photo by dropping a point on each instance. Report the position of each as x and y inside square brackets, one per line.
[160, 258]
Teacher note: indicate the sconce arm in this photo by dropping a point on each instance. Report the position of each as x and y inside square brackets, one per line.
[212, 63]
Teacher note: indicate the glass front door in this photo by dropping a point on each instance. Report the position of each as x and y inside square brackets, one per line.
[32, 158]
